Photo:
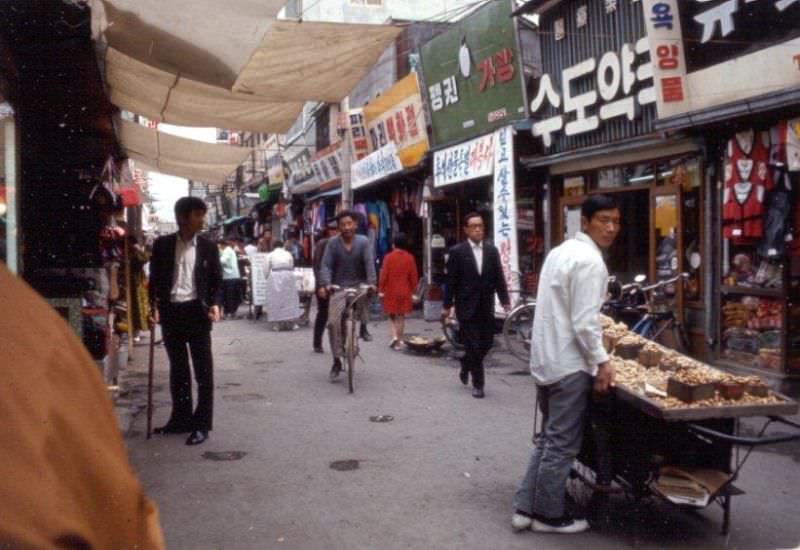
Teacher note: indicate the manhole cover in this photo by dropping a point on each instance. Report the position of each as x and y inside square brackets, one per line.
[523, 372]
[344, 465]
[224, 456]
[381, 418]
[242, 397]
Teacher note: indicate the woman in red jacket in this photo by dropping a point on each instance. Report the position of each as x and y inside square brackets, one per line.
[397, 283]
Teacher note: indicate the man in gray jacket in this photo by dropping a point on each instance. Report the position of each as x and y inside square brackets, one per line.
[348, 262]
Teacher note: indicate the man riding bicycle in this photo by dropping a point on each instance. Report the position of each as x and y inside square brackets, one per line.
[348, 262]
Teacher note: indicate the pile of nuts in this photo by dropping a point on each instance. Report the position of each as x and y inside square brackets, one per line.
[640, 377]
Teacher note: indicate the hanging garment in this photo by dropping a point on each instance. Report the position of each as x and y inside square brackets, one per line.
[747, 177]
[777, 224]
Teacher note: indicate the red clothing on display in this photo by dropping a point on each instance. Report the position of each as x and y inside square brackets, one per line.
[747, 177]
[397, 282]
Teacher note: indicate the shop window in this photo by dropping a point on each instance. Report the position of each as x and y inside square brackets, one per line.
[760, 252]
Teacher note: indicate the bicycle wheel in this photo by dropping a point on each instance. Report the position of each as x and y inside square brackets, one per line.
[351, 352]
[517, 332]
[451, 331]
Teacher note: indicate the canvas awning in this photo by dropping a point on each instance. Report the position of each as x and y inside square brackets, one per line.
[205, 40]
[177, 156]
[239, 45]
[165, 97]
[313, 61]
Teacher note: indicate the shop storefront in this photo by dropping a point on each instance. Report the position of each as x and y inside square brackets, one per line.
[475, 88]
[732, 77]
[387, 182]
[594, 111]
[8, 188]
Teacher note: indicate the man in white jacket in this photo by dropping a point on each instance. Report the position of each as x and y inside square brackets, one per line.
[283, 303]
[568, 362]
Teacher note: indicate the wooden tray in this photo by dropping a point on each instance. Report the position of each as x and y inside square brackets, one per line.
[653, 408]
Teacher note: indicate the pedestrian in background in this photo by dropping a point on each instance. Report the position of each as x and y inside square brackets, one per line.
[185, 292]
[322, 303]
[67, 481]
[397, 282]
[230, 279]
[264, 246]
[283, 303]
[474, 276]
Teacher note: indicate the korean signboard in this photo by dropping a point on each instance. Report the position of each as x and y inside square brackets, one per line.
[595, 88]
[712, 52]
[327, 166]
[383, 162]
[274, 161]
[505, 205]
[465, 161]
[358, 134]
[473, 75]
[397, 116]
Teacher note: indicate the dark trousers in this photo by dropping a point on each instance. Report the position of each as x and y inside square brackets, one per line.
[321, 320]
[478, 337]
[187, 331]
[233, 295]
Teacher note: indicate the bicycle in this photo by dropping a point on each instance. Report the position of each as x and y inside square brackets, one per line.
[518, 326]
[351, 324]
[658, 317]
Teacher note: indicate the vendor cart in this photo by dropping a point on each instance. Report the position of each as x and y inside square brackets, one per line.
[631, 439]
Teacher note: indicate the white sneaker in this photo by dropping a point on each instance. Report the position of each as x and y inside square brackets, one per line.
[563, 526]
[520, 523]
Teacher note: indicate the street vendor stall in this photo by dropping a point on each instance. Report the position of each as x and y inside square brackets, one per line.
[670, 431]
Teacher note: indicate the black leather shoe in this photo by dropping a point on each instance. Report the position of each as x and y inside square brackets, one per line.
[169, 428]
[365, 335]
[463, 376]
[318, 349]
[478, 393]
[197, 437]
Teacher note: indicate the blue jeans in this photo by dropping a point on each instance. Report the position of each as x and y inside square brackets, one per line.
[564, 405]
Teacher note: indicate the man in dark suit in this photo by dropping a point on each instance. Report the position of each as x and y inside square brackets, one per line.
[185, 293]
[474, 276]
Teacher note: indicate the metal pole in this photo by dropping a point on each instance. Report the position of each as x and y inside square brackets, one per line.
[347, 191]
[129, 292]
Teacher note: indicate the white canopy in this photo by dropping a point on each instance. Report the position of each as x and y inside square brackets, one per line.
[313, 61]
[177, 156]
[165, 97]
[205, 40]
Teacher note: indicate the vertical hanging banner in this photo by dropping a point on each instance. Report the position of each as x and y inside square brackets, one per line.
[505, 208]
[258, 281]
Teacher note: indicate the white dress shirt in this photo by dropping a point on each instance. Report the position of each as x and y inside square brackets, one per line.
[477, 251]
[567, 337]
[183, 289]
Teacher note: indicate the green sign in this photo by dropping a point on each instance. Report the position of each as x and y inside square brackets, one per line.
[473, 75]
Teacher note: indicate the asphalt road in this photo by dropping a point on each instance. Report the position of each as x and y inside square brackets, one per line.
[440, 475]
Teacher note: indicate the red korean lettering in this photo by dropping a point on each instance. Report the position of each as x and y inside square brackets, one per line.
[503, 64]
[390, 130]
[486, 67]
[411, 121]
[667, 57]
[400, 125]
[672, 88]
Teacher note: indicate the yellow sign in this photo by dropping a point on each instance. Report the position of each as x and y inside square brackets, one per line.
[397, 116]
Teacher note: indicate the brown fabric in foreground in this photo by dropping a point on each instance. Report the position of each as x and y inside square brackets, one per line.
[66, 480]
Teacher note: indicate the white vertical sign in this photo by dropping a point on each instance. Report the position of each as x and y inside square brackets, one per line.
[505, 207]
[258, 281]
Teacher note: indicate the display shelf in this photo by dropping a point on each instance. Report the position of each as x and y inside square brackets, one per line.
[752, 291]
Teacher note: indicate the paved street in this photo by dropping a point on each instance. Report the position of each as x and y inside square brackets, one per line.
[440, 475]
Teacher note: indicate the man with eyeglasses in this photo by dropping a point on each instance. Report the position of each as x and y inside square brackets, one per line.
[474, 276]
[568, 363]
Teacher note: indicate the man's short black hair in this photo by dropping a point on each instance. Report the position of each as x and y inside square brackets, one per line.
[470, 216]
[400, 241]
[186, 205]
[595, 203]
[352, 214]
[277, 244]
